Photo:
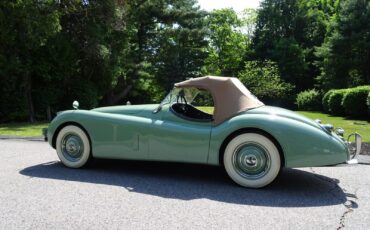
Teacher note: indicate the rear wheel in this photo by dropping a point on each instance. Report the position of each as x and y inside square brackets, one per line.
[252, 160]
[73, 146]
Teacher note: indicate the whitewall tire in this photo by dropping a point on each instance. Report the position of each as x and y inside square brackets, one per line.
[73, 146]
[252, 160]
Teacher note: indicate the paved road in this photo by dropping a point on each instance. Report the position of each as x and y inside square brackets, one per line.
[37, 192]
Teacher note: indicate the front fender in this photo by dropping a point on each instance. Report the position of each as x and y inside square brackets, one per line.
[61, 118]
[303, 144]
[101, 127]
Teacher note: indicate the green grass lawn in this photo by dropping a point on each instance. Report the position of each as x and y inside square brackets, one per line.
[350, 126]
[23, 129]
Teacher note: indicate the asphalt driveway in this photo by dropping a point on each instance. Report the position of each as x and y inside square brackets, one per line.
[37, 192]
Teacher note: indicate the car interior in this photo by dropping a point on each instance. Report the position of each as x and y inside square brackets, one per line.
[186, 111]
[189, 112]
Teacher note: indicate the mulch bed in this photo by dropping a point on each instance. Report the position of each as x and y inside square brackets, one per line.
[365, 148]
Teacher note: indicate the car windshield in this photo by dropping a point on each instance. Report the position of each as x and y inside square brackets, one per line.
[188, 95]
[179, 94]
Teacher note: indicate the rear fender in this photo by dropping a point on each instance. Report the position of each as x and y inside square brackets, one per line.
[302, 144]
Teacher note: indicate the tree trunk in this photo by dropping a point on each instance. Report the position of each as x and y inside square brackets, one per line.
[48, 113]
[28, 94]
[111, 99]
[122, 94]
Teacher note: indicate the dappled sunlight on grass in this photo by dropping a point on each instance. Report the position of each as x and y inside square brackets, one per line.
[206, 109]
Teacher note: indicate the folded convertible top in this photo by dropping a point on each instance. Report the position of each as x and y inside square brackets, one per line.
[230, 96]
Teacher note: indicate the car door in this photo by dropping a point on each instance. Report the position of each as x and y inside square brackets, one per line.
[176, 139]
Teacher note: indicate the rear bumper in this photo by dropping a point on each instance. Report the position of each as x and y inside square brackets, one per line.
[354, 148]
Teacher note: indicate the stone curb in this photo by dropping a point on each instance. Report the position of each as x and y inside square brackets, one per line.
[5, 137]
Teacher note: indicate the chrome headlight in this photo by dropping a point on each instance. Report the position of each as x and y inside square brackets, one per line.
[327, 127]
[339, 131]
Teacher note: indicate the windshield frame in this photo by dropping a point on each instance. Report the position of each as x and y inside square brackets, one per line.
[190, 93]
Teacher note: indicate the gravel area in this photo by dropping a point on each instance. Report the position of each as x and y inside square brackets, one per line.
[38, 192]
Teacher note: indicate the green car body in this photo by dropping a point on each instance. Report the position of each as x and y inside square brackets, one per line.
[139, 132]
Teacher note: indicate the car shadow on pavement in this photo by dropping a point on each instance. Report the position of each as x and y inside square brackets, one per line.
[292, 188]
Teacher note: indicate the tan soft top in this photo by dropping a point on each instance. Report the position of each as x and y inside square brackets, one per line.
[229, 95]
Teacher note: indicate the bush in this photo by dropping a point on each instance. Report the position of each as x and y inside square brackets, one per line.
[325, 101]
[335, 102]
[355, 101]
[263, 79]
[309, 100]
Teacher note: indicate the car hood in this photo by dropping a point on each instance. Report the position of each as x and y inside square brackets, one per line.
[127, 109]
[283, 113]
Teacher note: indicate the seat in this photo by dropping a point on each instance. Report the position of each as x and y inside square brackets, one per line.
[191, 113]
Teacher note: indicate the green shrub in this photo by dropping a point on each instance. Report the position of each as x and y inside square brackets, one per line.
[263, 79]
[309, 100]
[335, 102]
[325, 101]
[355, 101]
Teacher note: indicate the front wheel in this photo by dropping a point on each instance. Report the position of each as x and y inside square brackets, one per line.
[73, 146]
[252, 160]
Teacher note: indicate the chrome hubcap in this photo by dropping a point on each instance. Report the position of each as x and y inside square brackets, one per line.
[72, 147]
[251, 160]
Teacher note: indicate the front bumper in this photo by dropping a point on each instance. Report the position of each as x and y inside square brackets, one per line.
[354, 148]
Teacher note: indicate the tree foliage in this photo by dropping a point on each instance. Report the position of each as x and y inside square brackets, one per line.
[263, 80]
[106, 52]
[344, 55]
[227, 43]
[25, 28]
[287, 32]
[97, 52]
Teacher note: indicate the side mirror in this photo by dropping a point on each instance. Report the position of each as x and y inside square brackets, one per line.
[75, 104]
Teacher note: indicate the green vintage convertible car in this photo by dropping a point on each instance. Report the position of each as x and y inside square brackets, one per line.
[251, 140]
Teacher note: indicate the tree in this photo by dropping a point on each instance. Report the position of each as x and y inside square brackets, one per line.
[96, 51]
[287, 32]
[263, 79]
[180, 44]
[249, 18]
[227, 43]
[165, 44]
[25, 27]
[344, 57]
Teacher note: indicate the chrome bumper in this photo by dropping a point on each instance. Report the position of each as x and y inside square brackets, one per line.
[354, 148]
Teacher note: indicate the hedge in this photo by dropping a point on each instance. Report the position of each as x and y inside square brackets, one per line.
[309, 100]
[325, 101]
[355, 101]
[335, 102]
